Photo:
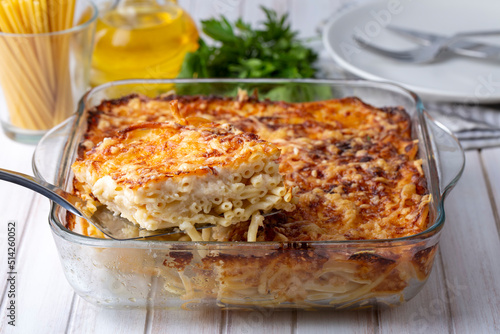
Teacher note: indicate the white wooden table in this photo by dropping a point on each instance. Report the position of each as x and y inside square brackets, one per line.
[462, 294]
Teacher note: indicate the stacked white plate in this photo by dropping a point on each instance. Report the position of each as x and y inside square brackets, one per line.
[455, 79]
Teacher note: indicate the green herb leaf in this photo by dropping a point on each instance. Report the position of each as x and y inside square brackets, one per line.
[241, 51]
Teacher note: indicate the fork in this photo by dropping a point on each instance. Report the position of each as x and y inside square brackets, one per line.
[464, 47]
[423, 54]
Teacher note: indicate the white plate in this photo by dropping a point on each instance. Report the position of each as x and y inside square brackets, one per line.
[458, 79]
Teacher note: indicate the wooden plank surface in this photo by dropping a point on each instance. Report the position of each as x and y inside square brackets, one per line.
[491, 164]
[15, 201]
[259, 321]
[43, 296]
[319, 322]
[429, 311]
[470, 246]
[15, 205]
[182, 321]
[87, 318]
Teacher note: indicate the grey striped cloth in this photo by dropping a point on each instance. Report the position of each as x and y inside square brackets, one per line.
[476, 126]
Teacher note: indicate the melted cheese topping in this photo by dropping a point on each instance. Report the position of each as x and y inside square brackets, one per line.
[159, 175]
[355, 167]
[150, 152]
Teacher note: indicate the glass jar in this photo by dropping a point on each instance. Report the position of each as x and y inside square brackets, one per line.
[141, 39]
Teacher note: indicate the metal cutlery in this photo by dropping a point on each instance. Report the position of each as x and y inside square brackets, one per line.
[111, 225]
[461, 47]
[423, 54]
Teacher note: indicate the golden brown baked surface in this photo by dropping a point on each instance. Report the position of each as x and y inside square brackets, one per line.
[166, 174]
[355, 166]
[149, 152]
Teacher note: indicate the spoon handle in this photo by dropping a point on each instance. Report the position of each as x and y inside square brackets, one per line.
[56, 194]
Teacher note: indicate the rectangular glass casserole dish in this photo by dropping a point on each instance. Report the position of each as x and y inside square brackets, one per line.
[305, 275]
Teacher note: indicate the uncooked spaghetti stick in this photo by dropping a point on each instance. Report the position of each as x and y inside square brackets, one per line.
[24, 52]
[13, 102]
[39, 83]
[42, 46]
[64, 94]
[27, 81]
[24, 117]
[48, 41]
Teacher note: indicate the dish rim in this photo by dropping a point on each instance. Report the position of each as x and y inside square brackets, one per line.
[60, 230]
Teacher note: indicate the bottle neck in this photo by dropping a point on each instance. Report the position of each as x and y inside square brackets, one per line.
[139, 14]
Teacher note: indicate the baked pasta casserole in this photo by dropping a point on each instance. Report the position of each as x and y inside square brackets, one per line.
[160, 175]
[337, 169]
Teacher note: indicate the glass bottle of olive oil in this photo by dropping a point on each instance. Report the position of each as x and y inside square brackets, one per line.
[141, 39]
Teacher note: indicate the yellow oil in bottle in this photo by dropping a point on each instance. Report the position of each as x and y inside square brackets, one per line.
[142, 40]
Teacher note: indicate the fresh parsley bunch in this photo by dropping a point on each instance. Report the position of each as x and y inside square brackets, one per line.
[243, 52]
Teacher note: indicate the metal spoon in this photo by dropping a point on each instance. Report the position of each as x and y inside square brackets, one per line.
[111, 225]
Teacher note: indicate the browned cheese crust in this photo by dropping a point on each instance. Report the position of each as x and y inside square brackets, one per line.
[355, 167]
[164, 150]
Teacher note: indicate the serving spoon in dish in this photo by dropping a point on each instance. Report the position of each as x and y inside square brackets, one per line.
[104, 220]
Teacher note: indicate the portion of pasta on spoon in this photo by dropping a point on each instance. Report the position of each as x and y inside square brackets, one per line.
[185, 172]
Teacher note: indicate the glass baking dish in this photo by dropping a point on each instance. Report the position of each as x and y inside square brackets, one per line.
[239, 275]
